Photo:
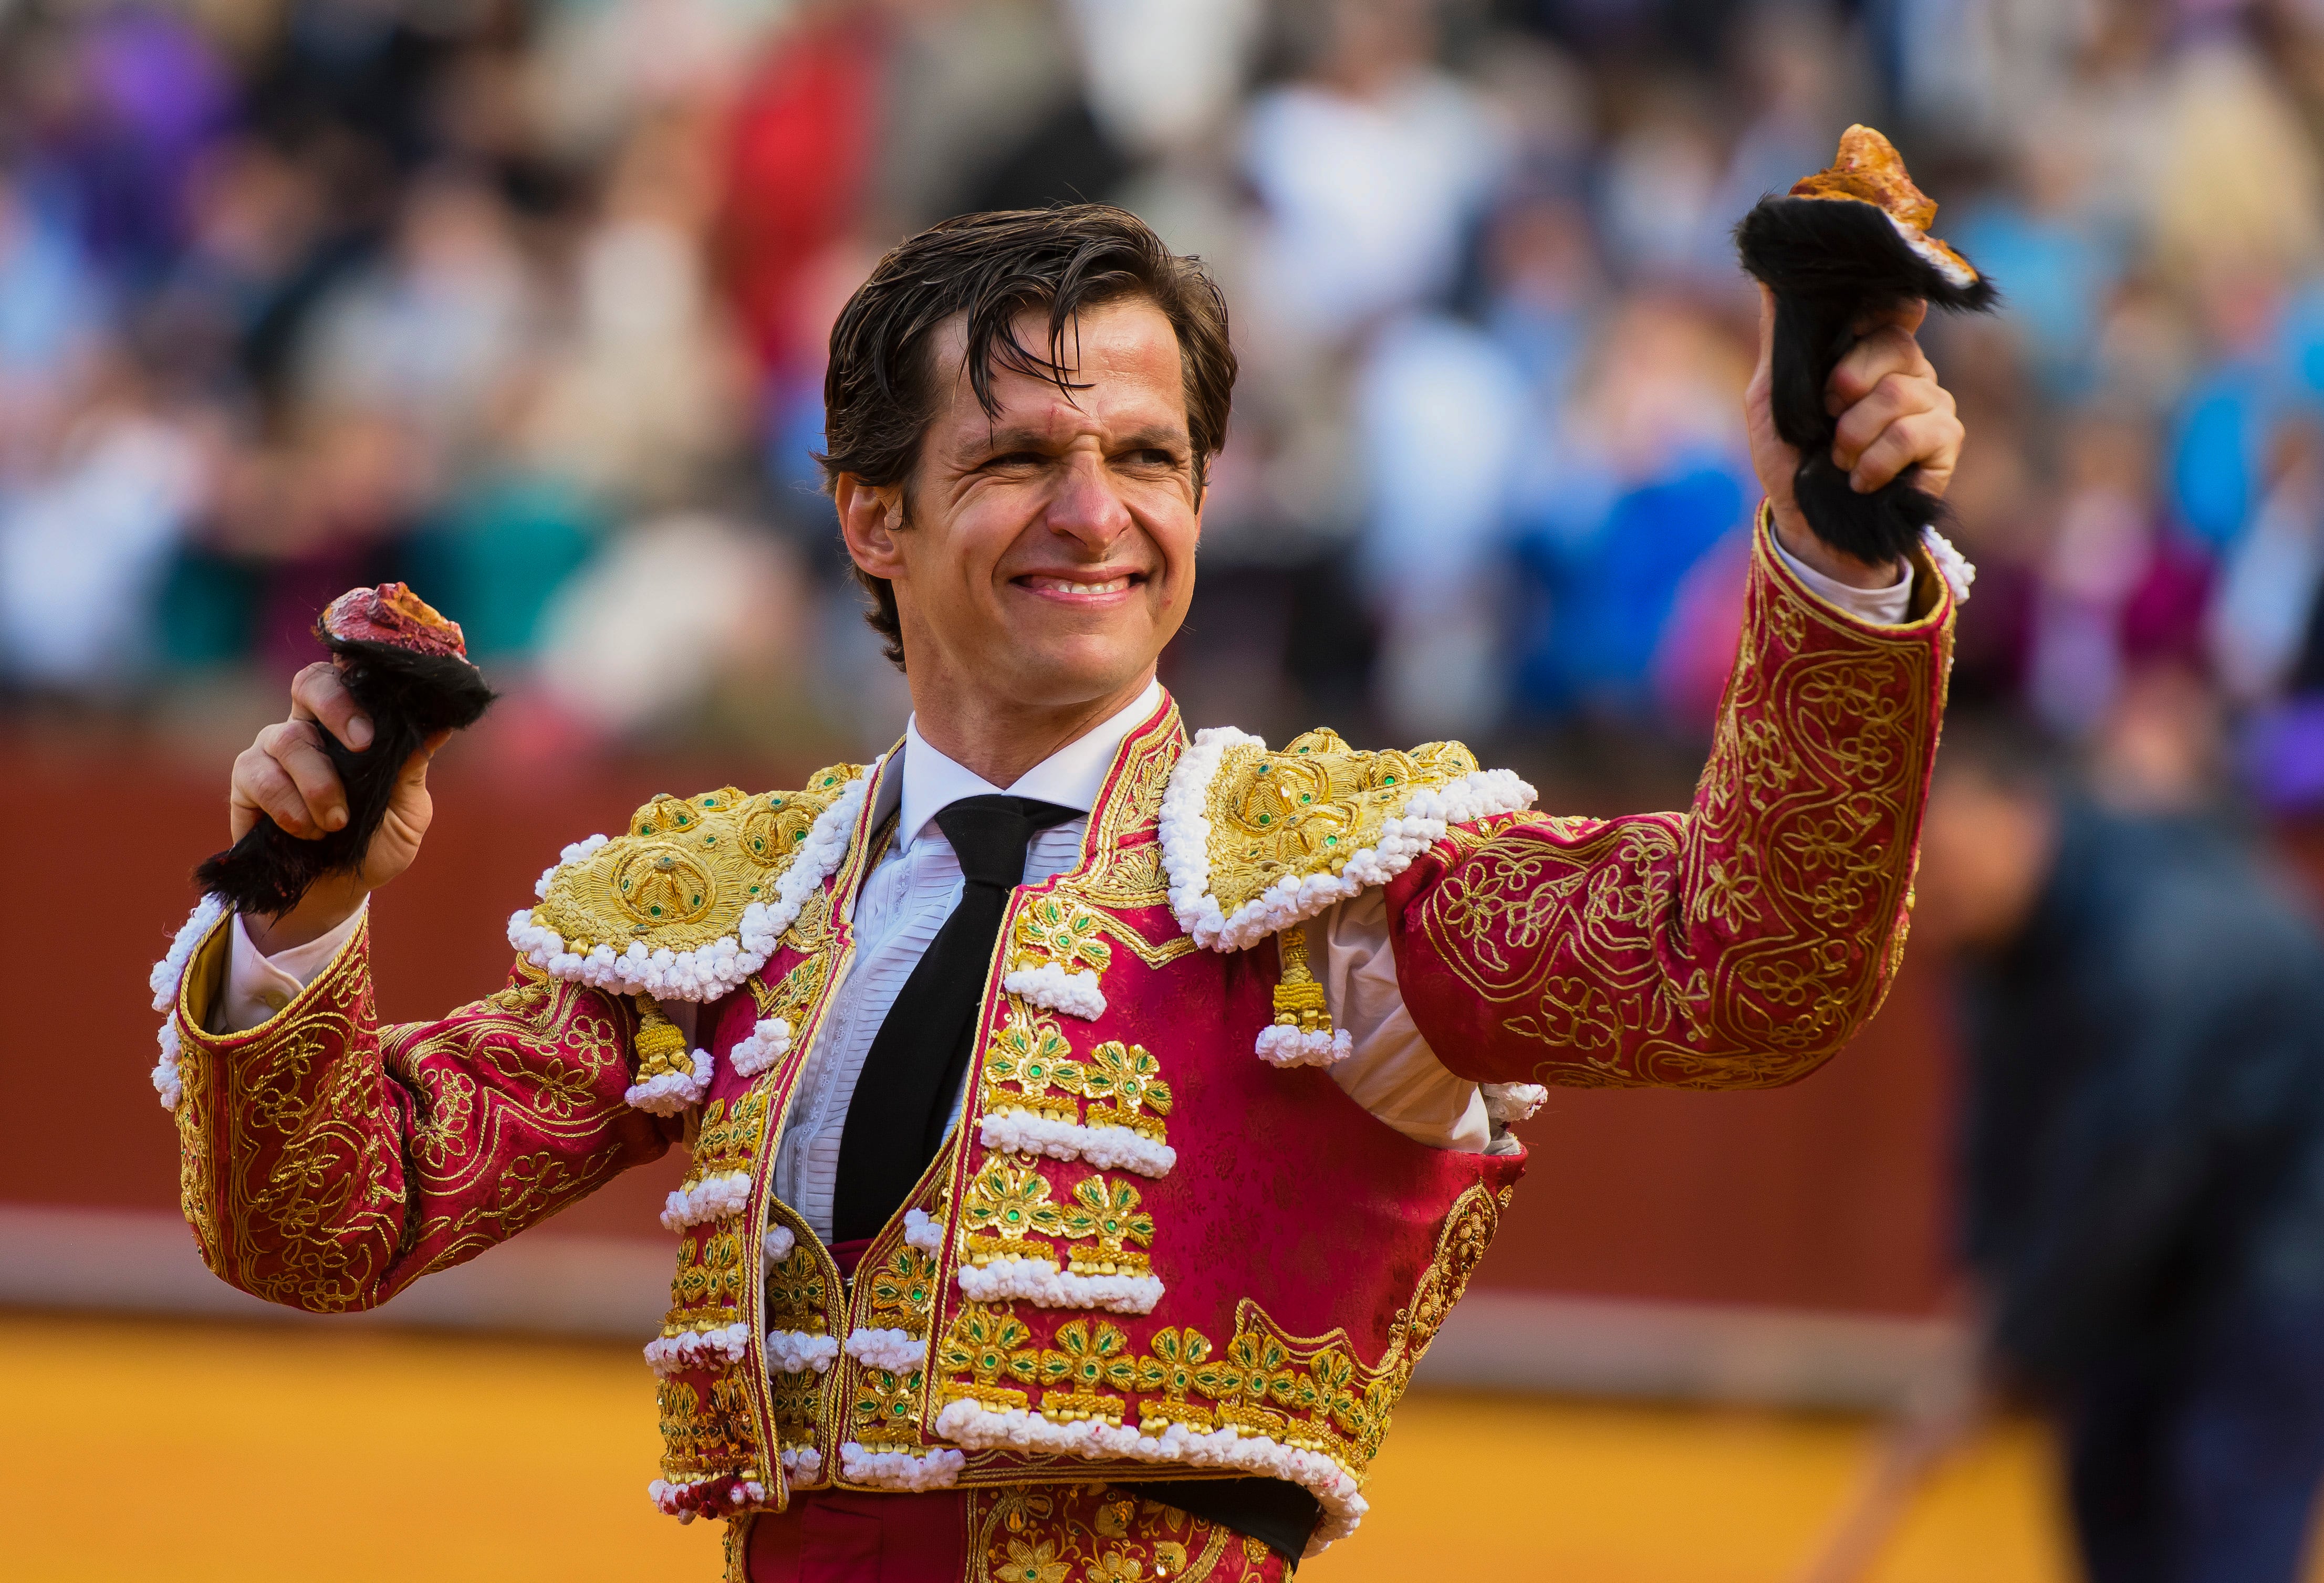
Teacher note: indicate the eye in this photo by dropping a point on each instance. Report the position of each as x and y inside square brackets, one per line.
[1016, 459]
[1154, 457]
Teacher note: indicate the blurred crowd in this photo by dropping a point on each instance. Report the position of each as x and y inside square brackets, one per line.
[525, 301]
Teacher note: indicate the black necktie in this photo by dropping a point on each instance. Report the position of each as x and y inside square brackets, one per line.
[896, 1121]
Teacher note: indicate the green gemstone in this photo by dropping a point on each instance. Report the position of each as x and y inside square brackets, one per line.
[1264, 818]
[645, 830]
[655, 911]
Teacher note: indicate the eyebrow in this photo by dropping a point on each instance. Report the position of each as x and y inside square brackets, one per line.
[1001, 441]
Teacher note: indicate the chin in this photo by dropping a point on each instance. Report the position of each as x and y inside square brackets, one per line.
[1075, 670]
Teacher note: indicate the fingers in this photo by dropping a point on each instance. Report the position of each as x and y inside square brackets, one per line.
[1931, 437]
[1904, 316]
[1890, 349]
[318, 693]
[1893, 398]
[285, 776]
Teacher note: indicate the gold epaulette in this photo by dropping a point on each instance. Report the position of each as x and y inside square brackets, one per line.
[1256, 841]
[690, 901]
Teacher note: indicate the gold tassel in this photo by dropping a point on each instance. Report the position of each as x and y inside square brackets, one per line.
[661, 1044]
[1298, 998]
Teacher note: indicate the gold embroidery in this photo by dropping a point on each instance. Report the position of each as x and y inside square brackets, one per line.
[791, 996]
[886, 1411]
[984, 1343]
[799, 1292]
[1012, 1201]
[735, 1551]
[1309, 1393]
[683, 874]
[1124, 1085]
[1309, 808]
[1104, 1213]
[1096, 1533]
[1029, 1053]
[1738, 945]
[904, 1289]
[1057, 928]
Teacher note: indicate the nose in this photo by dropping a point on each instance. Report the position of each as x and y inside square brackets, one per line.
[1087, 506]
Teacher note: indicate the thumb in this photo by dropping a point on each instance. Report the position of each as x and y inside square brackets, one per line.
[414, 774]
[1760, 370]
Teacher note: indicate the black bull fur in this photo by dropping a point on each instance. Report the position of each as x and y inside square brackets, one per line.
[1830, 263]
[410, 697]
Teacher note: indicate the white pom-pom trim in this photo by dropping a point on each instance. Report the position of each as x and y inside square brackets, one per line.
[936, 1469]
[580, 852]
[166, 1082]
[708, 1497]
[798, 1351]
[802, 1464]
[893, 1350]
[923, 1231]
[1513, 1101]
[710, 1199]
[975, 1425]
[671, 1091]
[163, 979]
[1050, 985]
[1039, 1282]
[708, 971]
[1417, 825]
[1109, 1148]
[1959, 573]
[1282, 1045]
[725, 1344]
[163, 982]
[778, 1244]
[768, 1042]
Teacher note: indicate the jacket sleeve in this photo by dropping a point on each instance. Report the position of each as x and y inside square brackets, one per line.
[1737, 944]
[328, 1162]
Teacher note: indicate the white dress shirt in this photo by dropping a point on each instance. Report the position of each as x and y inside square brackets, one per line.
[917, 883]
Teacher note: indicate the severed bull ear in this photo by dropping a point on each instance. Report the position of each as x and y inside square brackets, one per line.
[408, 667]
[1851, 240]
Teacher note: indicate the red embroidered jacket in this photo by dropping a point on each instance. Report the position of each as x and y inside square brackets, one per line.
[1158, 1247]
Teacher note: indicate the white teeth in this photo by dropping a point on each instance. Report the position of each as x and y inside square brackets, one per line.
[1060, 585]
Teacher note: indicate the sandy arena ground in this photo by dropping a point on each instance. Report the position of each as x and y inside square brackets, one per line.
[153, 1451]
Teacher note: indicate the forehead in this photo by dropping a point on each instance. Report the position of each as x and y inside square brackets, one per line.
[1121, 357]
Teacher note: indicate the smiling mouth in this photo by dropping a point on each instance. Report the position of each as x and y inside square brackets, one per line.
[1077, 588]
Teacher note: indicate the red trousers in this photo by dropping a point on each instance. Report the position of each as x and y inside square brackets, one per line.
[1020, 1533]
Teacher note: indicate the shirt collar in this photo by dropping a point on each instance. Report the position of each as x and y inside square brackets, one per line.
[1071, 777]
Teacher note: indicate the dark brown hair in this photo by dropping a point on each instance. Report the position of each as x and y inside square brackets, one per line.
[879, 391]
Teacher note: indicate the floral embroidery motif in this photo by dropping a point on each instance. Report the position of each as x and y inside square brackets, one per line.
[1096, 1533]
[1125, 1088]
[1736, 946]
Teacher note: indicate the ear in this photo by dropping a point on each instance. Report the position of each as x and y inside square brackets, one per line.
[871, 520]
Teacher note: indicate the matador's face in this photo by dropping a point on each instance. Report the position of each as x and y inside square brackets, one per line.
[1046, 553]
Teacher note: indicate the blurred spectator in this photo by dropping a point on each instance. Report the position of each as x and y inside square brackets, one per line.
[2144, 1149]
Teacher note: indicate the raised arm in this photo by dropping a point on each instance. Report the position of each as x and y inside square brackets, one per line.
[1736, 944]
[329, 1161]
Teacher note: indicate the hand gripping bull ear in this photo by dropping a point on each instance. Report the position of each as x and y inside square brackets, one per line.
[408, 667]
[1848, 240]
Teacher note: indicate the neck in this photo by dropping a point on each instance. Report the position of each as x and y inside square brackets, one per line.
[998, 739]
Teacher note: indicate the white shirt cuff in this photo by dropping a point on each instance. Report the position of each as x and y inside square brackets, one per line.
[1883, 607]
[257, 985]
